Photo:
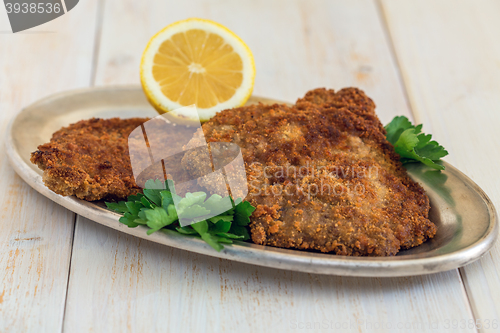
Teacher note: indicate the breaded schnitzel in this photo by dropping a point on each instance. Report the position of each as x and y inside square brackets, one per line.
[89, 159]
[323, 176]
[321, 173]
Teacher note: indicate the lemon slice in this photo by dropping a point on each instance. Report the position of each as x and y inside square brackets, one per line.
[197, 61]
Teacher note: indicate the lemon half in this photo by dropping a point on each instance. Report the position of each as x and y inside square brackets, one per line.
[197, 61]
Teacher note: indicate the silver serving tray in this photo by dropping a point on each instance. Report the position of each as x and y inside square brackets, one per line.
[464, 215]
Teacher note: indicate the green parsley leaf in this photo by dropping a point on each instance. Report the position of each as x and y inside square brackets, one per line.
[200, 227]
[133, 207]
[213, 241]
[242, 213]
[155, 185]
[226, 218]
[186, 230]
[130, 220]
[221, 226]
[153, 195]
[119, 207]
[166, 198]
[412, 145]
[136, 197]
[228, 235]
[223, 240]
[154, 208]
[158, 218]
[193, 213]
[397, 126]
[146, 203]
[239, 231]
[192, 199]
[213, 201]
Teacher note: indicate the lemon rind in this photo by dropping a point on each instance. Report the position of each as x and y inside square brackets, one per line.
[153, 90]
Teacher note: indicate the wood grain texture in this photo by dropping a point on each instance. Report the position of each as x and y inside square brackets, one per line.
[450, 60]
[121, 283]
[36, 234]
[297, 45]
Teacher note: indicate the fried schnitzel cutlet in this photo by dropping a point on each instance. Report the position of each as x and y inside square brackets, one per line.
[320, 173]
[322, 176]
[89, 159]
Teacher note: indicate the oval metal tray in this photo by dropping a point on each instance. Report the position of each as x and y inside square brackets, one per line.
[464, 215]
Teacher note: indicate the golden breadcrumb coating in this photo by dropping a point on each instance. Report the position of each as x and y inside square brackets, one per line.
[323, 176]
[89, 159]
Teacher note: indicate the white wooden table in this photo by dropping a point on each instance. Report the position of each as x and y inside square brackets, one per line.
[436, 61]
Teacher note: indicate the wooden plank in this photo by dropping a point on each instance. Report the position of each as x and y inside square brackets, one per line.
[297, 46]
[36, 235]
[121, 283]
[450, 59]
[126, 284]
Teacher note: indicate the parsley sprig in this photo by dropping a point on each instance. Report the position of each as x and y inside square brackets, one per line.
[413, 145]
[154, 208]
